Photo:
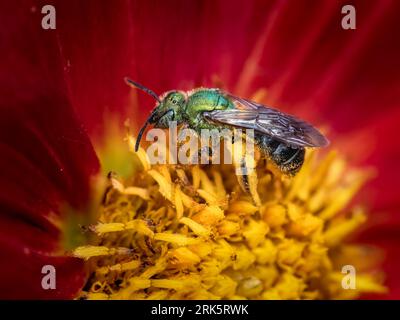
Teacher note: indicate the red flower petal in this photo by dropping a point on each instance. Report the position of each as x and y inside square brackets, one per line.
[46, 161]
[161, 45]
[346, 79]
[388, 237]
[25, 249]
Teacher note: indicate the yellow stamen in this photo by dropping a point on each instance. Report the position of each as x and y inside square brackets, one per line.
[177, 239]
[176, 232]
[87, 252]
[197, 228]
[119, 267]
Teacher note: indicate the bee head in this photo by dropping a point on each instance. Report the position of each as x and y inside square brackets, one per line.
[169, 108]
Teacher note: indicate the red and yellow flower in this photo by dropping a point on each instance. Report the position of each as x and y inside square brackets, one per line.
[63, 106]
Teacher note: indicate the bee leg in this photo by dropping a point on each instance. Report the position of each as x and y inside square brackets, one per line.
[182, 137]
[247, 178]
[181, 134]
[205, 155]
[196, 157]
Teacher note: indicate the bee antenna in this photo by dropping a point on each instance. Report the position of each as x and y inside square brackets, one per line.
[149, 119]
[140, 136]
[143, 88]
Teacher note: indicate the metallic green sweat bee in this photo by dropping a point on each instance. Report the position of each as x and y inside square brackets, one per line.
[279, 136]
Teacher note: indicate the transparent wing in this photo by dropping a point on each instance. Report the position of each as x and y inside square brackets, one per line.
[272, 122]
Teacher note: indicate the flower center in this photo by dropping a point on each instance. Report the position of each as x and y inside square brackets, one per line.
[190, 232]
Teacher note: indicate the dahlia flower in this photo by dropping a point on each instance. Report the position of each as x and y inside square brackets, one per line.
[76, 196]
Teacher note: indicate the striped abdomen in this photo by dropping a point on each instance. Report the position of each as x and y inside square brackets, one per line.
[289, 159]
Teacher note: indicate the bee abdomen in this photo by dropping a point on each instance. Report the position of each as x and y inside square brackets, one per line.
[289, 159]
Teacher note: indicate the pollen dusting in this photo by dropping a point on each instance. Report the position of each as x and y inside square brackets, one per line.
[190, 232]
